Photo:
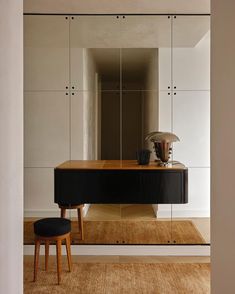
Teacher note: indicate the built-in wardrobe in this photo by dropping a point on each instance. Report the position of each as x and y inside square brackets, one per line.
[96, 85]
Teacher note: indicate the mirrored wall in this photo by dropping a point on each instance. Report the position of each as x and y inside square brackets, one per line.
[95, 86]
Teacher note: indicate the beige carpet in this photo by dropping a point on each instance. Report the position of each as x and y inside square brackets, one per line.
[129, 232]
[97, 278]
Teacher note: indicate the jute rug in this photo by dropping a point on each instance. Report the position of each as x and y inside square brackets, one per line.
[98, 278]
[129, 232]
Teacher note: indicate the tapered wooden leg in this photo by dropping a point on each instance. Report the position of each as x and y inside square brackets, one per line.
[68, 249]
[62, 212]
[36, 258]
[80, 222]
[58, 257]
[47, 243]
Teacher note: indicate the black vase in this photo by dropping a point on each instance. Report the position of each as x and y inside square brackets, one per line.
[143, 156]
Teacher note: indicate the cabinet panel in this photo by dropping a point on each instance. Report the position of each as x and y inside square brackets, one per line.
[132, 136]
[139, 69]
[46, 52]
[46, 134]
[151, 31]
[164, 68]
[191, 123]
[94, 48]
[165, 111]
[146, 52]
[196, 213]
[110, 125]
[191, 52]
[198, 195]
[39, 189]
[77, 125]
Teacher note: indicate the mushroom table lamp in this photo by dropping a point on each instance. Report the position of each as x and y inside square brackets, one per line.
[162, 144]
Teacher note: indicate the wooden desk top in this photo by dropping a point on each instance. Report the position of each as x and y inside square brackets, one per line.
[116, 164]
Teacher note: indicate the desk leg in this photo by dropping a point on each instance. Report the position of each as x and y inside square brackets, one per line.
[80, 221]
[62, 212]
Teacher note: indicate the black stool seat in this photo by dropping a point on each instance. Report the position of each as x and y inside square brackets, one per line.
[52, 226]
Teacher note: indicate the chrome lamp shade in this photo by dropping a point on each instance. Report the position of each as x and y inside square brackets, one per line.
[162, 142]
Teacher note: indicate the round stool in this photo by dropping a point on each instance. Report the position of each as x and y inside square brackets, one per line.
[52, 229]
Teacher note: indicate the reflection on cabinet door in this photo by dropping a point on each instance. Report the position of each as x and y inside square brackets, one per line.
[39, 190]
[132, 137]
[146, 43]
[46, 52]
[195, 214]
[46, 132]
[164, 68]
[191, 123]
[199, 195]
[110, 125]
[191, 53]
[165, 111]
[77, 123]
[94, 47]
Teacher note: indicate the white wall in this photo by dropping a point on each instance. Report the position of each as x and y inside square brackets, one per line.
[223, 146]
[11, 147]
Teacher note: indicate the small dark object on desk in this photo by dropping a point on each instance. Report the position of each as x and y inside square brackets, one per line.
[143, 156]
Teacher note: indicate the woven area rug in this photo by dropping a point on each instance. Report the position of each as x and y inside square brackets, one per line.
[98, 278]
[130, 232]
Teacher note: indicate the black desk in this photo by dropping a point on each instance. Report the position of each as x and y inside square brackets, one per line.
[119, 182]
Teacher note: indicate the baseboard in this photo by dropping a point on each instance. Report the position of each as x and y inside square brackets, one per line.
[160, 213]
[53, 212]
[182, 213]
[130, 250]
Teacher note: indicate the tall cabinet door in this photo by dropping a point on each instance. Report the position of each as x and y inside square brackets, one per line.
[191, 53]
[146, 52]
[191, 122]
[145, 83]
[145, 70]
[46, 53]
[191, 83]
[94, 48]
[95, 78]
[46, 106]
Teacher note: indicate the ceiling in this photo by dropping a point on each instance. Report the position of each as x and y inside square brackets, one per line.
[137, 31]
[117, 6]
[133, 62]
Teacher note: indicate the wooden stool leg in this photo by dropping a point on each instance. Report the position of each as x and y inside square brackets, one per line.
[47, 243]
[58, 257]
[80, 222]
[68, 249]
[62, 212]
[36, 258]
